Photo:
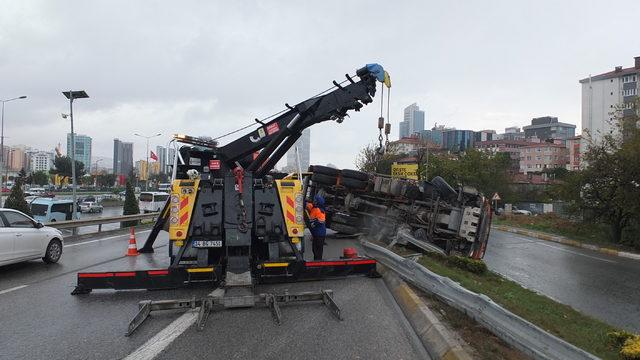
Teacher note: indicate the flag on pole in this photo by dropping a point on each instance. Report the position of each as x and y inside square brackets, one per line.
[153, 156]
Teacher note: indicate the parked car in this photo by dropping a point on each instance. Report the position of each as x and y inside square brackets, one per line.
[22, 238]
[516, 211]
[90, 207]
[48, 210]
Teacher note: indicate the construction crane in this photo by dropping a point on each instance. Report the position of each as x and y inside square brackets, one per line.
[233, 224]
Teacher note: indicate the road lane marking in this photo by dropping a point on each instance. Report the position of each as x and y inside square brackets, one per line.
[154, 346]
[160, 341]
[101, 239]
[13, 289]
[562, 249]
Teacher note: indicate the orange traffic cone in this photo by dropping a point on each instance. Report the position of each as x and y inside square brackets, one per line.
[133, 247]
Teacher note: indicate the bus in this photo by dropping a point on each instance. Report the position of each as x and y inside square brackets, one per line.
[152, 201]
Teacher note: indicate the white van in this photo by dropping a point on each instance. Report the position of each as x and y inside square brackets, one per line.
[152, 201]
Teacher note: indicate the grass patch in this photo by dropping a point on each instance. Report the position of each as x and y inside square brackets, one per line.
[561, 320]
[586, 232]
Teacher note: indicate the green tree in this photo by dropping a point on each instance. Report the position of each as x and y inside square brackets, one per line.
[369, 160]
[16, 200]
[86, 180]
[106, 180]
[130, 206]
[610, 190]
[40, 178]
[62, 167]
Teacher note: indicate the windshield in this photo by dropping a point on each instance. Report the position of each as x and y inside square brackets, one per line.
[146, 197]
[39, 209]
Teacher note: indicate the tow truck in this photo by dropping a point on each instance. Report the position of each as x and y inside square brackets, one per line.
[234, 223]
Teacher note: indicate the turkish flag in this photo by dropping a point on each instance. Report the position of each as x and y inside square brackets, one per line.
[154, 156]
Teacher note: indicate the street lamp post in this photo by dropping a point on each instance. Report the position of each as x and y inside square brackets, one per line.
[71, 95]
[2, 160]
[146, 182]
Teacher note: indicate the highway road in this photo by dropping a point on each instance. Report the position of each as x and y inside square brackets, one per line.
[41, 320]
[603, 286]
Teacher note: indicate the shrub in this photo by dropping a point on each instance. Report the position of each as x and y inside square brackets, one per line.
[130, 206]
[464, 263]
[16, 200]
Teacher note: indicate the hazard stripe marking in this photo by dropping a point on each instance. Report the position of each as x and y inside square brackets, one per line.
[184, 202]
[290, 201]
[184, 217]
[291, 217]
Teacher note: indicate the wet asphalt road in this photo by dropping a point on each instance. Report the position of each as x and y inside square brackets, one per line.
[603, 286]
[40, 320]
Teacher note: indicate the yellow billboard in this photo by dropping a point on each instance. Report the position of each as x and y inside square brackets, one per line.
[404, 171]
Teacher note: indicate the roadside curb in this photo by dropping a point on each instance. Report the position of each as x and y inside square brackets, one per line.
[439, 341]
[565, 241]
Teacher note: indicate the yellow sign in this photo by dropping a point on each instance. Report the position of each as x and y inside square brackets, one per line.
[404, 171]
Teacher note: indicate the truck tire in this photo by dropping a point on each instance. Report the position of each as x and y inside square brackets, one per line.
[354, 174]
[324, 179]
[325, 170]
[344, 229]
[443, 188]
[354, 183]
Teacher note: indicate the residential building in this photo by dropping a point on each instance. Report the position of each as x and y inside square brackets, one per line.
[574, 145]
[512, 147]
[17, 158]
[539, 156]
[161, 152]
[304, 152]
[411, 145]
[141, 170]
[413, 122]
[457, 140]
[603, 95]
[548, 127]
[41, 161]
[122, 158]
[83, 149]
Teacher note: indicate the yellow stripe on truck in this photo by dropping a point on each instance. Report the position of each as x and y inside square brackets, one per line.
[183, 198]
[268, 265]
[290, 193]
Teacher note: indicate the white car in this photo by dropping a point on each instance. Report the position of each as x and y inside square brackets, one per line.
[22, 239]
[517, 211]
[90, 207]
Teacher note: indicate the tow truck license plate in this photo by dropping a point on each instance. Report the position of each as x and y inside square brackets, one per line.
[207, 243]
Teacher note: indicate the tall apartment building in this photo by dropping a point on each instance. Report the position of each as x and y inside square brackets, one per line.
[41, 161]
[304, 152]
[122, 157]
[413, 122]
[603, 94]
[548, 127]
[161, 152]
[83, 149]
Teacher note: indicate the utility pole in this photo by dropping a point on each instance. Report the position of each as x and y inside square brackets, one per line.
[2, 159]
[81, 94]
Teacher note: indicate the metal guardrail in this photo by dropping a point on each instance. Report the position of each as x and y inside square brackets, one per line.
[99, 221]
[511, 328]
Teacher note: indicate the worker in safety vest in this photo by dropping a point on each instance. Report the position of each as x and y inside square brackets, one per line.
[317, 224]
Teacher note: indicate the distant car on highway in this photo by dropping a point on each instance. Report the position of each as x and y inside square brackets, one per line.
[516, 211]
[90, 207]
[23, 238]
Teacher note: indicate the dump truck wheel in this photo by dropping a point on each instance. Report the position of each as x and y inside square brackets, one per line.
[323, 179]
[325, 170]
[354, 183]
[354, 174]
[443, 188]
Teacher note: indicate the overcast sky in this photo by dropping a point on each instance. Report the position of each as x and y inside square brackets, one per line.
[201, 68]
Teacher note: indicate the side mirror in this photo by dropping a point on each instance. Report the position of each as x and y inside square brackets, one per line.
[39, 225]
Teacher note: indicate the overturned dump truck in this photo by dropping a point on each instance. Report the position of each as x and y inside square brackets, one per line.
[430, 215]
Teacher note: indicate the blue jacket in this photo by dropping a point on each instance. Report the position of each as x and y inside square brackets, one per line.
[317, 217]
